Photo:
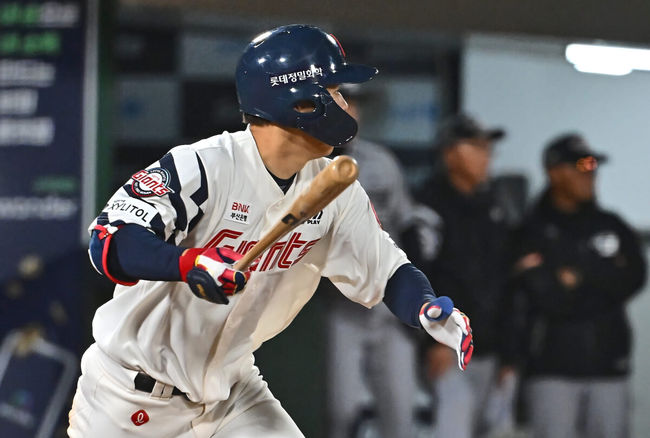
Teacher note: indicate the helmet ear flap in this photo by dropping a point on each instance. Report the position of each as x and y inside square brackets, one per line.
[303, 103]
[331, 125]
[305, 106]
[312, 103]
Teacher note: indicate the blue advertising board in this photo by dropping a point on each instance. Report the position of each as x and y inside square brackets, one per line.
[42, 85]
[47, 111]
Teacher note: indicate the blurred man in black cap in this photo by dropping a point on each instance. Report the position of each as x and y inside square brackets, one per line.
[461, 246]
[575, 267]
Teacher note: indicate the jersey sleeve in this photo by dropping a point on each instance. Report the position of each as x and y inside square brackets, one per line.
[167, 197]
[362, 256]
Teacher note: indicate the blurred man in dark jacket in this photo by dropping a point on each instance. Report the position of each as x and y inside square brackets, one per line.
[575, 267]
[462, 248]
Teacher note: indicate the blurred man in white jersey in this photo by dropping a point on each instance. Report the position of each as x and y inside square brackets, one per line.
[174, 347]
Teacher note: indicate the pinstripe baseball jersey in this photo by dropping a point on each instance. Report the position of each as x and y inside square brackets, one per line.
[217, 192]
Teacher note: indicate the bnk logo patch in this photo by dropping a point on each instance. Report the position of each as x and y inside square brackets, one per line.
[151, 182]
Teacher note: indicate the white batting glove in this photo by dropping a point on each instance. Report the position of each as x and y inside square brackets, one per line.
[450, 327]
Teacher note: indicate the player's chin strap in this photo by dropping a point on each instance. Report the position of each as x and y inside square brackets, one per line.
[100, 242]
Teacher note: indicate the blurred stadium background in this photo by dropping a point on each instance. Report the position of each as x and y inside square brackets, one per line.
[92, 90]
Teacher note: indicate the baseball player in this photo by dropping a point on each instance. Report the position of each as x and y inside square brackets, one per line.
[174, 347]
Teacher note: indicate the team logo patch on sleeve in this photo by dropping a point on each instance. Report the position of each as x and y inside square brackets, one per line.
[151, 182]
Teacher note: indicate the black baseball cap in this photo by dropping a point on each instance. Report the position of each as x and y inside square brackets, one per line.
[571, 148]
[463, 127]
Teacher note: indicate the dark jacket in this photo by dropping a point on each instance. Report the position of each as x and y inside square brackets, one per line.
[469, 260]
[580, 331]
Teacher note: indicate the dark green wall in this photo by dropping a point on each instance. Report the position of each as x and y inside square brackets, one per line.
[293, 364]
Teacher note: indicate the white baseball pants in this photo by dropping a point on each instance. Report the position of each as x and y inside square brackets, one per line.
[106, 405]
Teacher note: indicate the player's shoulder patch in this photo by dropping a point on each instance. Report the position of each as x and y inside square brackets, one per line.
[151, 182]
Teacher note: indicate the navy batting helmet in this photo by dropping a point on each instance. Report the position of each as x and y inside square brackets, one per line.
[294, 64]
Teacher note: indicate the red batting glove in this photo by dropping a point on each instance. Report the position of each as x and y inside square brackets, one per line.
[210, 274]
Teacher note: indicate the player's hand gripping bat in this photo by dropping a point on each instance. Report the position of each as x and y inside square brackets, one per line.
[327, 185]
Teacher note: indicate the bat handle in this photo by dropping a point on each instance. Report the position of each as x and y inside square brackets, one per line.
[244, 263]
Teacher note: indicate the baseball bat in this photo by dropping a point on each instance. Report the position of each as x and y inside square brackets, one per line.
[327, 185]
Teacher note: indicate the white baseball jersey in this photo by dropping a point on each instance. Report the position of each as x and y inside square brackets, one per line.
[217, 192]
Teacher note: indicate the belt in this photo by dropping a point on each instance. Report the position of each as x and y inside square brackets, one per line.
[146, 383]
